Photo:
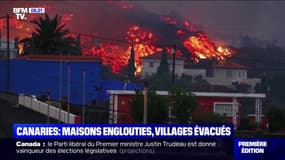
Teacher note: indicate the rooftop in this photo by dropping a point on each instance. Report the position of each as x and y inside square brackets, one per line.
[198, 94]
[58, 57]
[229, 65]
[157, 55]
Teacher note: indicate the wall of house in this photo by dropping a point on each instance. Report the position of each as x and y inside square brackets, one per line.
[252, 120]
[3, 49]
[230, 74]
[38, 76]
[150, 66]
[195, 72]
[206, 104]
[124, 109]
[179, 66]
[226, 77]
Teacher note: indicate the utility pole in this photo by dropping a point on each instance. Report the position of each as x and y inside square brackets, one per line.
[33, 43]
[8, 55]
[60, 88]
[173, 51]
[145, 103]
[68, 91]
[48, 108]
[83, 96]
[173, 64]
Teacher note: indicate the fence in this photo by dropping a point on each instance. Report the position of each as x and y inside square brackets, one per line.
[38, 106]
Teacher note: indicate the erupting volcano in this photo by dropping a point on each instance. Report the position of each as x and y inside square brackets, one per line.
[146, 32]
[142, 41]
[146, 40]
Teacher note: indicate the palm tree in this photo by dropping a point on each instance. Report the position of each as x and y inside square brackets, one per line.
[50, 37]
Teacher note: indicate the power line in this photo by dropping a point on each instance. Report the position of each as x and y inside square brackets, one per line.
[157, 44]
[102, 37]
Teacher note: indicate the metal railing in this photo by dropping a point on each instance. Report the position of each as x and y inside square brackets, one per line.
[31, 102]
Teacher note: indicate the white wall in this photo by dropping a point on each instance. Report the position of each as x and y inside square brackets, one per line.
[195, 72]
[230, 74]
[221, 77]
[149, 70]
[38, 106]
[179, 66]
[3, 49]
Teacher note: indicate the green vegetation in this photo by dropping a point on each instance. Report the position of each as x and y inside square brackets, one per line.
[129, 71]
[51, 38]
[276, 117]
[157, 107]
[208, 117]
[182, 104]
[163, 67]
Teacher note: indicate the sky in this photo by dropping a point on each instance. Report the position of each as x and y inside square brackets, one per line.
[222, 21]
[228, 19]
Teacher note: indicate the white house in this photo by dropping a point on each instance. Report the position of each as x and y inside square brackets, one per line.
[13, 49]
[224, 74]
[227, 73]
[194, 72]
[152, 62]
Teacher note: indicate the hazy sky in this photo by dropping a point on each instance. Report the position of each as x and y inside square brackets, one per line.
[222, 20]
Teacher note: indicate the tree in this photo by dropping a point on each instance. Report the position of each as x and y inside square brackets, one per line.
[159, 82]
[156, 107]
[129, 70]
[78, 44]
[208, 117]
[183, 106]
[162, 82]
[276, 117]
[184, 103]
[163, 67]
[50, 37]
[107, 72]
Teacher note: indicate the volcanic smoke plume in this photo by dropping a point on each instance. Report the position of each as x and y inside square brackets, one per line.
[118, 26]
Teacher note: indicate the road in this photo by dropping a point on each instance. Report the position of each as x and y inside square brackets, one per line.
[11, 114]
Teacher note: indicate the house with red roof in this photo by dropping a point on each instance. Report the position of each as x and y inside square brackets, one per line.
[229, 73]
[227, 104]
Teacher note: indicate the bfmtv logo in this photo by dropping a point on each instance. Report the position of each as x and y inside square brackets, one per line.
[21, 12]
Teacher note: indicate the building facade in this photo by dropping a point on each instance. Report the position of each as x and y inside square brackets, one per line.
[62, 76]
[229, 73]
[227, 104]
[13, 49]
[152, 62]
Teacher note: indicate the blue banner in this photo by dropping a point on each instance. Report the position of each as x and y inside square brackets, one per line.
[259, 148]
[127, 131]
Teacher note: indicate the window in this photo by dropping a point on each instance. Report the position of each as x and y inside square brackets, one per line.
[223, 108]
[151, 64]
[244, 74]
[229, 74]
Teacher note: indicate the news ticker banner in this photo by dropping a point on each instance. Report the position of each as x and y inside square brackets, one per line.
[120, 131]
[120, 141]
[139, 141]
